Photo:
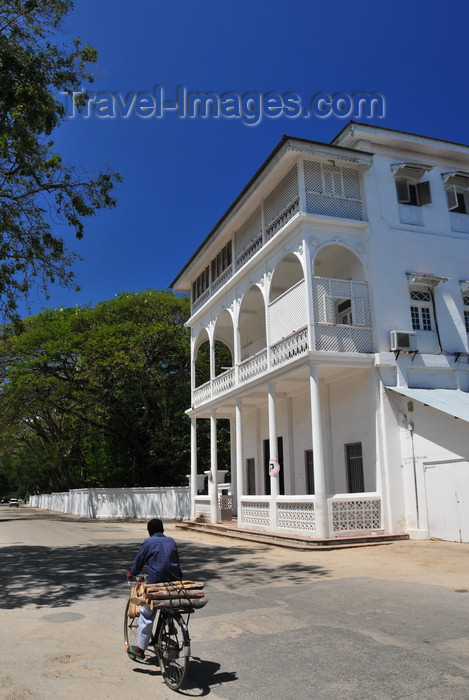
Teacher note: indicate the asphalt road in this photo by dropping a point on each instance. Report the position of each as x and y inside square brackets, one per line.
[383, 623]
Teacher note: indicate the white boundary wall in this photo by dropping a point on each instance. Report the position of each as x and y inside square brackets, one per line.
[153, 502]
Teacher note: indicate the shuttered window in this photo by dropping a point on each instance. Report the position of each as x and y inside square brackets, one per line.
[466, 311]
[416, 194]
[457, 201]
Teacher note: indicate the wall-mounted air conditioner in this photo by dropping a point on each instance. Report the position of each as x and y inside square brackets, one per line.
[404, 341]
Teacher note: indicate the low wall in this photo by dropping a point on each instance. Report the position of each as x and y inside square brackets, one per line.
[162, 502]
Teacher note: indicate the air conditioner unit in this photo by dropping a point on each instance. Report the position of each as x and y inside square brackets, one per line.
[404, 341]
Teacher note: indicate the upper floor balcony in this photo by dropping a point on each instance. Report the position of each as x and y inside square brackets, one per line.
[310, 187]
[282, 332]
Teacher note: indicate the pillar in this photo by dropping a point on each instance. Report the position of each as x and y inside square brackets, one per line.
[273, 454]
[320, 500]
[193, 465]
[213, 485]
[239, 457]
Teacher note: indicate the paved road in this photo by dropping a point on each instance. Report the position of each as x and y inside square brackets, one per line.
[382, 623]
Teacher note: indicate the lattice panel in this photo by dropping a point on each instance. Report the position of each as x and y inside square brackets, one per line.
[325, 205]
[290, 348]
[356, 515]
[351, 183]
[255, 514]
[248, 232]
[225, 502]
[288, 313]
[332, 191]
[282, 203]
[296, 516]
[331, 338]
[202, 509]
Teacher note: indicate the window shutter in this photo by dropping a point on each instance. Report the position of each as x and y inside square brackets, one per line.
[358, 312]
[403, 191]
[424, 195]
[452, 195]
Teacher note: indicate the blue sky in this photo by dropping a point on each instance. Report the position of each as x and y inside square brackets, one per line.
[181, 174]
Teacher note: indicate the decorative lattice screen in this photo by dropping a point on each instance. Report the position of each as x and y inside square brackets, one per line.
[282, 203]
[332, 191]
[248, 239]
[288, 313]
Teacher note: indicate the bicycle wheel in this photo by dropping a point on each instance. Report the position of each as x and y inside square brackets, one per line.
[174, 648]
[130, 628]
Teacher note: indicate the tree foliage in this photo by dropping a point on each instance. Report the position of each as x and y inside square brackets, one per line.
[97, 396]
[36, 186]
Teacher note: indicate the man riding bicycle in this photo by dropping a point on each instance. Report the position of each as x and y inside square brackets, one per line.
[160, 555]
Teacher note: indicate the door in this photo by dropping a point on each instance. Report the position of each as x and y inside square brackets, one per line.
[447, 491]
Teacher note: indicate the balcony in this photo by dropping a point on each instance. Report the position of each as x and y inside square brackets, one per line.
[325, 190]
[285, 345]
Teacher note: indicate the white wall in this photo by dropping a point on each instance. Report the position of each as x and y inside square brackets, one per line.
[352, 411]
[161, 502]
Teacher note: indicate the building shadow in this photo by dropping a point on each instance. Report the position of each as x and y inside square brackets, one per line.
[55, 577]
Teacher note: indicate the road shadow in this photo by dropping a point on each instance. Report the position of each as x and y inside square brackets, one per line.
[59, 576]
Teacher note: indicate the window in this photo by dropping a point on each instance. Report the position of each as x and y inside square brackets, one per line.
[221, 262]
[457, 200]
[421, 310]
[416, 194]
[344, 312]
[465, 299]
[201, 284]
[309, 471]
[354, 466]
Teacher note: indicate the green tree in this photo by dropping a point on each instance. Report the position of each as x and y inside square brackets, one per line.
[36, 187]
[97, 396]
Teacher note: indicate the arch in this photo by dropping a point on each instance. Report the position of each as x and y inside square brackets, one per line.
[339, 262]
[252, 327]
[288, 272]
[223, 338]
[202, 358]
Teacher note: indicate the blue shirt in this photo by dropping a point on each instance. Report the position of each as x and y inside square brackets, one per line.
[160, 554]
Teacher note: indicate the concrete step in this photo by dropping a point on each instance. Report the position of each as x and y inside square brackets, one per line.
[290, 541]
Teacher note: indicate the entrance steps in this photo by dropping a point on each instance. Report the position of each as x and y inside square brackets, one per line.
[230, 529]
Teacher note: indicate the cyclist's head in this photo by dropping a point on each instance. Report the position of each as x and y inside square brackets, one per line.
[155, 525]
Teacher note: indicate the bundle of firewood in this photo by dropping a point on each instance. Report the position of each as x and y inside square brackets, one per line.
[174, 594]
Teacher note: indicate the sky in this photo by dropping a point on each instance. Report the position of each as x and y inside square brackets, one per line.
[181, 173]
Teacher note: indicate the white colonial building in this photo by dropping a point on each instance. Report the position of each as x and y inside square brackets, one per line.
[338, 282]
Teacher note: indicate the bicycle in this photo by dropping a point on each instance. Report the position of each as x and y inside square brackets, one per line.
[170, 639]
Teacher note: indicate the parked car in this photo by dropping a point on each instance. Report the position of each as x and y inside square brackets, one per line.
[14, 502]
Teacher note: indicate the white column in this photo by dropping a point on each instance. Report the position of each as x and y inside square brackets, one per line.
[212, 358]
[320, 500]
[383, 458]
[273, 454]
[193, 465]
[239, 456]
[233, 464]
[213, 485]
[309, 295]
